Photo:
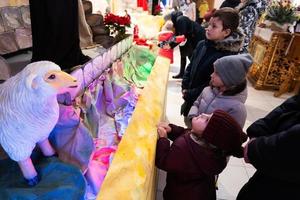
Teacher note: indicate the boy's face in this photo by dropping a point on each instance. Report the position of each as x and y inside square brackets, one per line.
[215, 31]
[200, 122]
[215, 80]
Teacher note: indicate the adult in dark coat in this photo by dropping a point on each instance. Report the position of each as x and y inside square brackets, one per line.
[230, 3]
[193, 33]
[196, 156]
[274, 151]
[55, 34]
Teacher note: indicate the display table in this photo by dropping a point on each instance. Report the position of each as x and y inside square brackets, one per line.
[271, 64]
[132, 173]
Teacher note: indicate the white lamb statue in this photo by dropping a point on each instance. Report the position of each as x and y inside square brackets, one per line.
[29, 111]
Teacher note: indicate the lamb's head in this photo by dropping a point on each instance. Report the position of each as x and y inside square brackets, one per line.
[47, 76]
[29, 111]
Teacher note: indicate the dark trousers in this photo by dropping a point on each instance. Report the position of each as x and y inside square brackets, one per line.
[185, 52]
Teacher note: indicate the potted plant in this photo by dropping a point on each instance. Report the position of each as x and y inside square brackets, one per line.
[280, 15]
[116, 24]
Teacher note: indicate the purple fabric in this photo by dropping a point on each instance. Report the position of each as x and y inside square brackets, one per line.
[123, 115]
[108, 105]
[71, 139]
[90, 98]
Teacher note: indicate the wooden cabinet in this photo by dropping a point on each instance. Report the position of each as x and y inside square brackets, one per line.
[271, 65]
[291, 81]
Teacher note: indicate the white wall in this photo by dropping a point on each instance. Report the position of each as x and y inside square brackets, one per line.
[218, 3]
[99, 5]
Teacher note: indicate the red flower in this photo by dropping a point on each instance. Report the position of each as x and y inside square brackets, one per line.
[111, 19]
[157, 9]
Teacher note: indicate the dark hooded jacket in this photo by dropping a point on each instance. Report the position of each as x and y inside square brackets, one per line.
[275, 154]
[191, 168]
[197, 75]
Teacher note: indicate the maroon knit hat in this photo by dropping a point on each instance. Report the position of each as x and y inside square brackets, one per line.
[225, 133]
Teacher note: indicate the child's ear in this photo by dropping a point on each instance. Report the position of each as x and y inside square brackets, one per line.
[227, 32]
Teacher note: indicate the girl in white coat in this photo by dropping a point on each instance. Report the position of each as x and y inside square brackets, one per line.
[227, 90]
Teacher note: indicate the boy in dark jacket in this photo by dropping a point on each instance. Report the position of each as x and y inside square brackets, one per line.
[223, 38]
[197, 155]
[274, 151]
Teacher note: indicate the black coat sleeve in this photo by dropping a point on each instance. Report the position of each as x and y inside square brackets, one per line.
[266, 125]
[277, 155]
[187, 73]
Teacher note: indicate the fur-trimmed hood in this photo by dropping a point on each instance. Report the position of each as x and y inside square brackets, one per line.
[232, 43]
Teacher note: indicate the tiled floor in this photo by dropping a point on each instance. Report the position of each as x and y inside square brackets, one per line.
[237, 172]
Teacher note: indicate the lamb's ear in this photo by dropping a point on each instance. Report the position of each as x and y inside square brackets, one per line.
[31, 81]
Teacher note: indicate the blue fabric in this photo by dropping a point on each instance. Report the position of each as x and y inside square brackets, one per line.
[58, 180]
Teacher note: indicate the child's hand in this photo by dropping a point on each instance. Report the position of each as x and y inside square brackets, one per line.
[246, 150]
[182, 43]
[162, 132]
[165, 126]
[183, 92]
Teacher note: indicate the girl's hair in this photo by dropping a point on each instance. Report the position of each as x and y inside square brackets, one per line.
[229, 17]
[235, 89]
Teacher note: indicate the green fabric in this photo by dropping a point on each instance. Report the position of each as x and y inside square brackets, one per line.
[58, 181]
[138, 63]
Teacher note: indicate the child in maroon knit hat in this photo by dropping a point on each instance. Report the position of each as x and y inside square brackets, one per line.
[197, 155]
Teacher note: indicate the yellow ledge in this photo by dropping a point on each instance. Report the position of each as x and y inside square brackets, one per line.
[132, 172]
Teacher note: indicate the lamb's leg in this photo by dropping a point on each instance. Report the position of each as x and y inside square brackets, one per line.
[46, 147]
[29, 172]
